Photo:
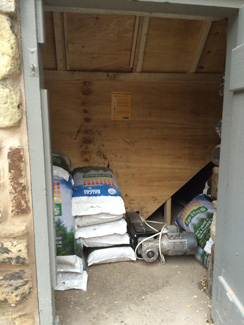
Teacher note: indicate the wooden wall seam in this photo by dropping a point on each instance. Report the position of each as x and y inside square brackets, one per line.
[136, 76]
[59, 40]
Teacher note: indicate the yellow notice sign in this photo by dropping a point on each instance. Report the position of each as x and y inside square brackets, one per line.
[120, 105]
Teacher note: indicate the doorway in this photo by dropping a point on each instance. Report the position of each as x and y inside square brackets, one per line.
[173, 7]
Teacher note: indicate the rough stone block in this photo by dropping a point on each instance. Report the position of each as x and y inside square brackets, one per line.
[5, 318]
[10, 111]
[15, 287]
[23, 320]
[18, 189]
[14, 252]
[7, 6]
[9, 52]
[13, 229]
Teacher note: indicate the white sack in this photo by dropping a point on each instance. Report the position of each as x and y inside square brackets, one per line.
[96, 191]
[64, 220]
[70, 263]
[84, 205]
[67, 281]
[111, 255]
[104, 229]
[95, 219]
[60, 174]
[105, 241]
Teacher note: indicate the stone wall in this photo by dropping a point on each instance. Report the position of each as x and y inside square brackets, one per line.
[18, 294]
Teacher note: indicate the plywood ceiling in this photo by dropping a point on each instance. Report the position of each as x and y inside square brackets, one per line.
[105, 43]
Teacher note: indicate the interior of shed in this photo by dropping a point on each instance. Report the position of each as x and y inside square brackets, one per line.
[166, 75]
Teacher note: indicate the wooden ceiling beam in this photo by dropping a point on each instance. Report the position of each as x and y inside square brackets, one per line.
[134, 42]
[141, 43]
[59, 40]
[203, 35]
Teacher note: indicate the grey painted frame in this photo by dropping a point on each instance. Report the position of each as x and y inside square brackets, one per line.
[228, 290]
[202, 9]
[40, 167]
[198, 9]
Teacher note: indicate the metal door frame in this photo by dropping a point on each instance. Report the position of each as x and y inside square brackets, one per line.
[228, 292]
[32, 35]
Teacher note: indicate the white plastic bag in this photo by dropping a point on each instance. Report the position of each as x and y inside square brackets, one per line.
[60, 174]
[70, 263]
[104, 229]
[95, 219]
[105, 241]
[71, 273]
[66, 281]
[111, 255]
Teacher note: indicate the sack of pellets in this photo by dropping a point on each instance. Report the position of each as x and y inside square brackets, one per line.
[71, 273]
[64, 221]
[197, 217]
[110, 255]
[96, 191]
[60, 160]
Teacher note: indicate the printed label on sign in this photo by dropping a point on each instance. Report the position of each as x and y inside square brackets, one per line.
[57, 209]
[120, 105]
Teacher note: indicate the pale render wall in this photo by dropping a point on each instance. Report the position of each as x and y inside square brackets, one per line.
[18, 294]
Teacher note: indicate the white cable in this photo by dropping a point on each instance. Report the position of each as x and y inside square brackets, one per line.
[147, 223]
[147, 238]
[160, 233]
[154, 229]
[152, 221]
[162, 258]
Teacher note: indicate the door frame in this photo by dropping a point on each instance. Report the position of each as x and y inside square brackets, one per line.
[32, 35]
[31, 12]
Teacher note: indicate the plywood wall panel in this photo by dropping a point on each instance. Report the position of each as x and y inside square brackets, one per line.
[48, 49]
[170, 45]
[99, 42]
[168, 139]
[214, 52]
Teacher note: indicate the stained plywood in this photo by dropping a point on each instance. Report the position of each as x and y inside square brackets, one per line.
[170, 45]
[48, 49]
[167, 140]
[99, 42]
[125, 43]
[214, 52]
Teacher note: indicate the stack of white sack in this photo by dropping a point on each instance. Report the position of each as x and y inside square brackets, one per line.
[99, 216]
[71, 273]
[70, 270]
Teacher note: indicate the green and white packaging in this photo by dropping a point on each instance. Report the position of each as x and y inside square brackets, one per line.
[197, 217]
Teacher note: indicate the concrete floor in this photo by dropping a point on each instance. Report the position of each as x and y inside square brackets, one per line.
[131, 293]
